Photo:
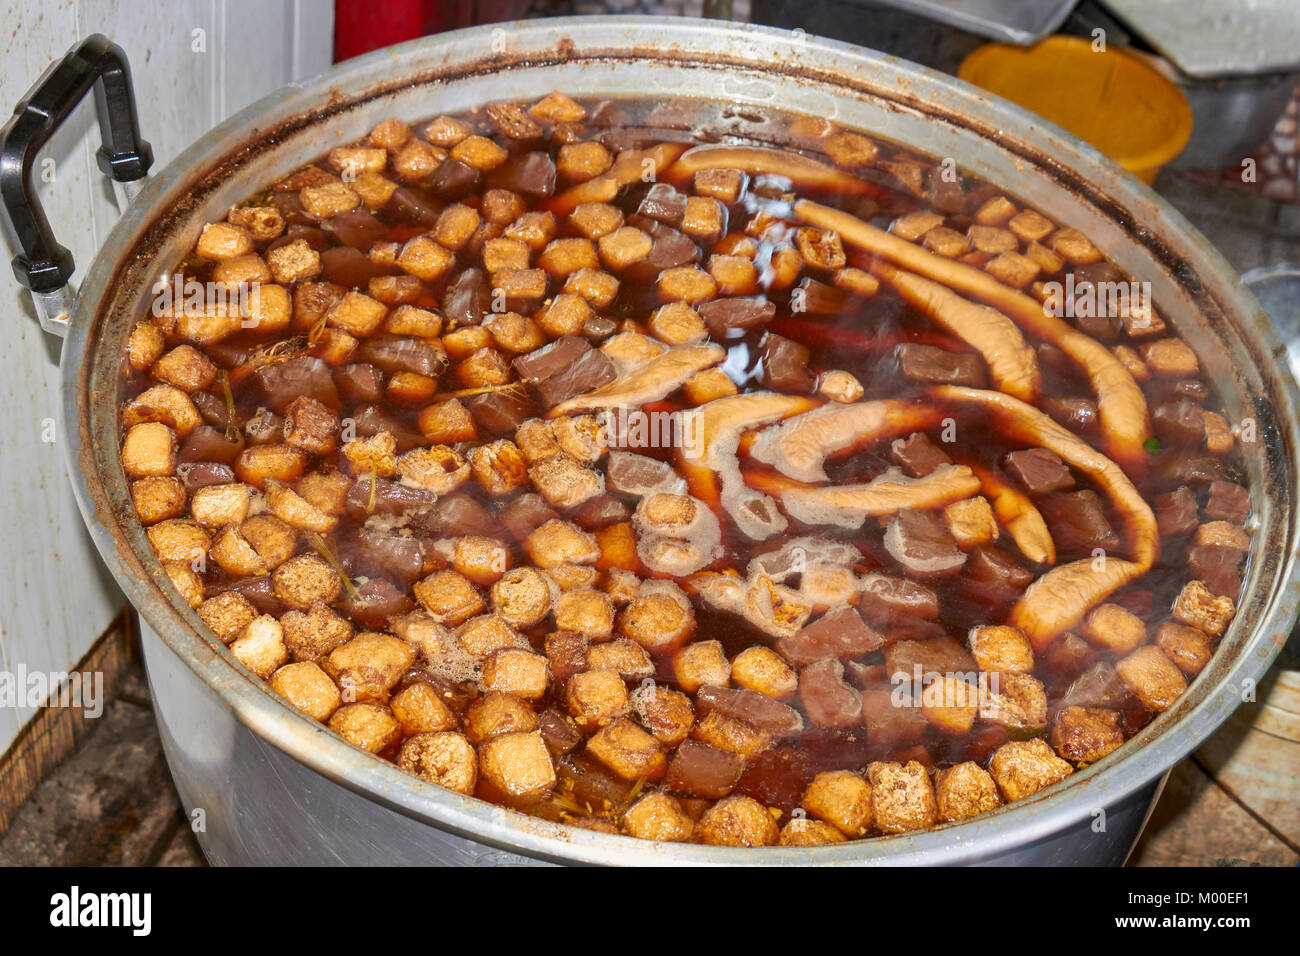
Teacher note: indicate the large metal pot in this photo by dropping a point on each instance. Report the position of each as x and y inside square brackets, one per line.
[276, 787]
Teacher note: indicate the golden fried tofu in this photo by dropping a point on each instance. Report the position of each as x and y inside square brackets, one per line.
[1023, 767]
[227, 614]
[260, 647]
[420, 709]
[369, 666]
[312, 634]
[305, 580]
[369, 726]
[738, 821]
[517, 765]
[308, 688]
[842, 799]
[496, 713]
[658, 816]
[627, 750]
[902, 796]
[964, 791]
[1084, 735]
[701, 663]
[595, 698]
[1152, 677]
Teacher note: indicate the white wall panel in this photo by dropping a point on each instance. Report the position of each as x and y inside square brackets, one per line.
[55, 598]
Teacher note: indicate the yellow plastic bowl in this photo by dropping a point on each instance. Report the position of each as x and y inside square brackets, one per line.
[1110, 98]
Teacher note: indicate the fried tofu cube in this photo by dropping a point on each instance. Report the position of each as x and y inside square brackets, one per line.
[700, 663]
[842, 799]
[1084, 735]
[536, 440]
[1013, 269]
[306, 580]
[624, 247]
[369, 666]
[1222, 534]
[946, 242]
[992, 239]
[658, 816]
[144, 346]
[424, 258]
[187, 583]
[564, 482]
[902, 796]
[915, 225]
[1187, 647]
[223, 240]
[1219, 439]
[447, 131]
[1169, 357]
[495, 714]
[1015, 701]
[583, 161]
[517, 671]
[420, 709]
[598, 288]
[375, 190]
[274, 541]
[293, 262]
[734, 274]
[971, 522]
[417, 160]
[517, 765]
[659, 617]
[1030, 226]
[997, 211]
[595, 698]
[329, 199]
[214, 506]
[512, 122]
[804, 831]
[447, 423]
[499, 467]
[678, 324]
[850, 149]
[308, 688]
[585, 611]
[484, 635]
[820, 250]
[514, 332]
[479, 152]
[260, 464]
[234, 555]
[520, 285]
[563, 257]
[391, 133]
[704, 218]
[449, 597]
[1197, 606]
[666, 713]
[950, 704]
[227, 614]
[573, 577]
[375, 454]
[312, 634]
[709, 384]
[369, 726]
[738, 821]
[725, 185]
[178, 539]
[261, 647]
[186, 368]
[628, 658]
[1001, 649]
[689, 284]
[839, 386]
[731, 734]
[596, 219]
[1077, 248]
[263, 223]
[629, 751]
[558, 543]
[964, 791]
[505, 253]
[1152, 677]
[455, 225]
[1023, 767]
[445, 758]
[149, 451]
[558, 108]
[1114, 628]
[535, 229]
[157, 498]
[762, 669]
[1132, 362]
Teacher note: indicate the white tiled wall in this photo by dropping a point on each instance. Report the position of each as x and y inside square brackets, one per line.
[194, 62]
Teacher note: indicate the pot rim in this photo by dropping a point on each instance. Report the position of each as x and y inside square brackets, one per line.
[785, 57]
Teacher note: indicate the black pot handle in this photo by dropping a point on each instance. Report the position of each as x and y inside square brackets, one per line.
[42, 265]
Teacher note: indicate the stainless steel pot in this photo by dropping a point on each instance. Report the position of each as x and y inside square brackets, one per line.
[276, 787]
